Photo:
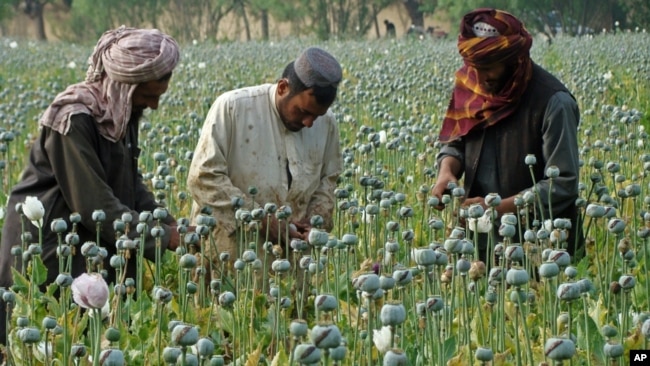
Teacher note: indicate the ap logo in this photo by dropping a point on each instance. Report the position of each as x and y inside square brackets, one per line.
[639, 357]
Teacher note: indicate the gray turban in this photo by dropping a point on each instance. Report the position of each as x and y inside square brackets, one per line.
[133, 56]
[122, 59]
[316, 67]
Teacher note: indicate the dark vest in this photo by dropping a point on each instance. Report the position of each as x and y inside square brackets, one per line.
[519, 135]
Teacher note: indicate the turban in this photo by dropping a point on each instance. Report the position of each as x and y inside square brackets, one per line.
[487, 37]
[122, 59]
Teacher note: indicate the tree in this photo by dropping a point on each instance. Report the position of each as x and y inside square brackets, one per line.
[260, 10]
[199, 20]
[414, 8]
[637, 13]
[7, 10]
[34, 9]
[83, 20]
[552, 17]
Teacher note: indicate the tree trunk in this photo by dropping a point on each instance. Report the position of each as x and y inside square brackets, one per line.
[34, 9]
[265, 24]
[40, 23]
[244, 17]
[413, 9]
[322, 22]
[375, 14]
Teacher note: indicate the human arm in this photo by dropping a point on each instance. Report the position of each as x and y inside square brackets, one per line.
[208, 177]
[84, 165]
[560, 149]
[450, 168]
[322, 202]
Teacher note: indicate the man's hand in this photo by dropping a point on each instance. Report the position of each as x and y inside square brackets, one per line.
[474, 200]
[175, 237]
[277, 230]
[450, 168]
[303, 227]
[442, 187]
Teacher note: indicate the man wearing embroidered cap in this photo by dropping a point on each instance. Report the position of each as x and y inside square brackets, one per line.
[85, 158]
[503, 108]
[280, 138]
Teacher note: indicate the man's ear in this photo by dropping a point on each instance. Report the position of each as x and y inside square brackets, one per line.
[283, 87]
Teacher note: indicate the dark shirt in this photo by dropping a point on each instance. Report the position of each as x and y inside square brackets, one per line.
[79, 172]
[545, 125]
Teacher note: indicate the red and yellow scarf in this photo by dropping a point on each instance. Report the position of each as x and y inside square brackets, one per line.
[470, 106]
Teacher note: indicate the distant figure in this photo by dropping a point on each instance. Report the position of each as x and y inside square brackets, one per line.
[416, 32]
[436, 33]
[390, 28]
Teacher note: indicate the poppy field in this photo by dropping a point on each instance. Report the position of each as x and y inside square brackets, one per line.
[395, 282]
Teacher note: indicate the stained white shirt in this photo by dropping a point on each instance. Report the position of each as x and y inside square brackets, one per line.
[244, 143]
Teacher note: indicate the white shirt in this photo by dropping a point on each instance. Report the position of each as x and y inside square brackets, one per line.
[244, 143]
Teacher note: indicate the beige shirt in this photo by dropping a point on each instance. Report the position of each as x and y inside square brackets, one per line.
[244, 143]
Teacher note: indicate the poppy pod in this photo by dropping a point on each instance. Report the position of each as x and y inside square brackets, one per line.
[326, 336]
[392, 314]
[307, 354]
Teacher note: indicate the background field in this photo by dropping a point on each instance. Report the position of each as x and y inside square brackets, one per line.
[400, 87]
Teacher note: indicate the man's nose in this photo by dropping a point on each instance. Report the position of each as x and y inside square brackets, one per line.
[308, 121]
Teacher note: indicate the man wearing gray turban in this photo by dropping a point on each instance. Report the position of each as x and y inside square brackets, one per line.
[85, 158]
[271, 145]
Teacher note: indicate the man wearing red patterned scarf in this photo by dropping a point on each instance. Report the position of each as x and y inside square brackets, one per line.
[506, 111]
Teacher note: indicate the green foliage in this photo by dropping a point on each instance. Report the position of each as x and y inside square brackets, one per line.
[85, 20]
[88, 20]
[7, 9]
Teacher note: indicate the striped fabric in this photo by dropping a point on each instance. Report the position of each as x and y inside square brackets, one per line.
[122, 59]
[470, 106]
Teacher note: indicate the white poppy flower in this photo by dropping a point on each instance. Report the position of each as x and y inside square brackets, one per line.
[608, 75]
[388, 258]
[481, 225]
[382, 339]
[40, 351]
[34, 210]
[382, 137]
[548, 225]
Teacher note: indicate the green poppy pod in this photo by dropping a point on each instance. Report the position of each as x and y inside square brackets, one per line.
[517, 277]
[559, 349]
[112, 357]
[484, 354]
[326, 336]
[325, 302]
[306, 354]
[184, 335]
[29, 335]
[392, 314]
[395, 357]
